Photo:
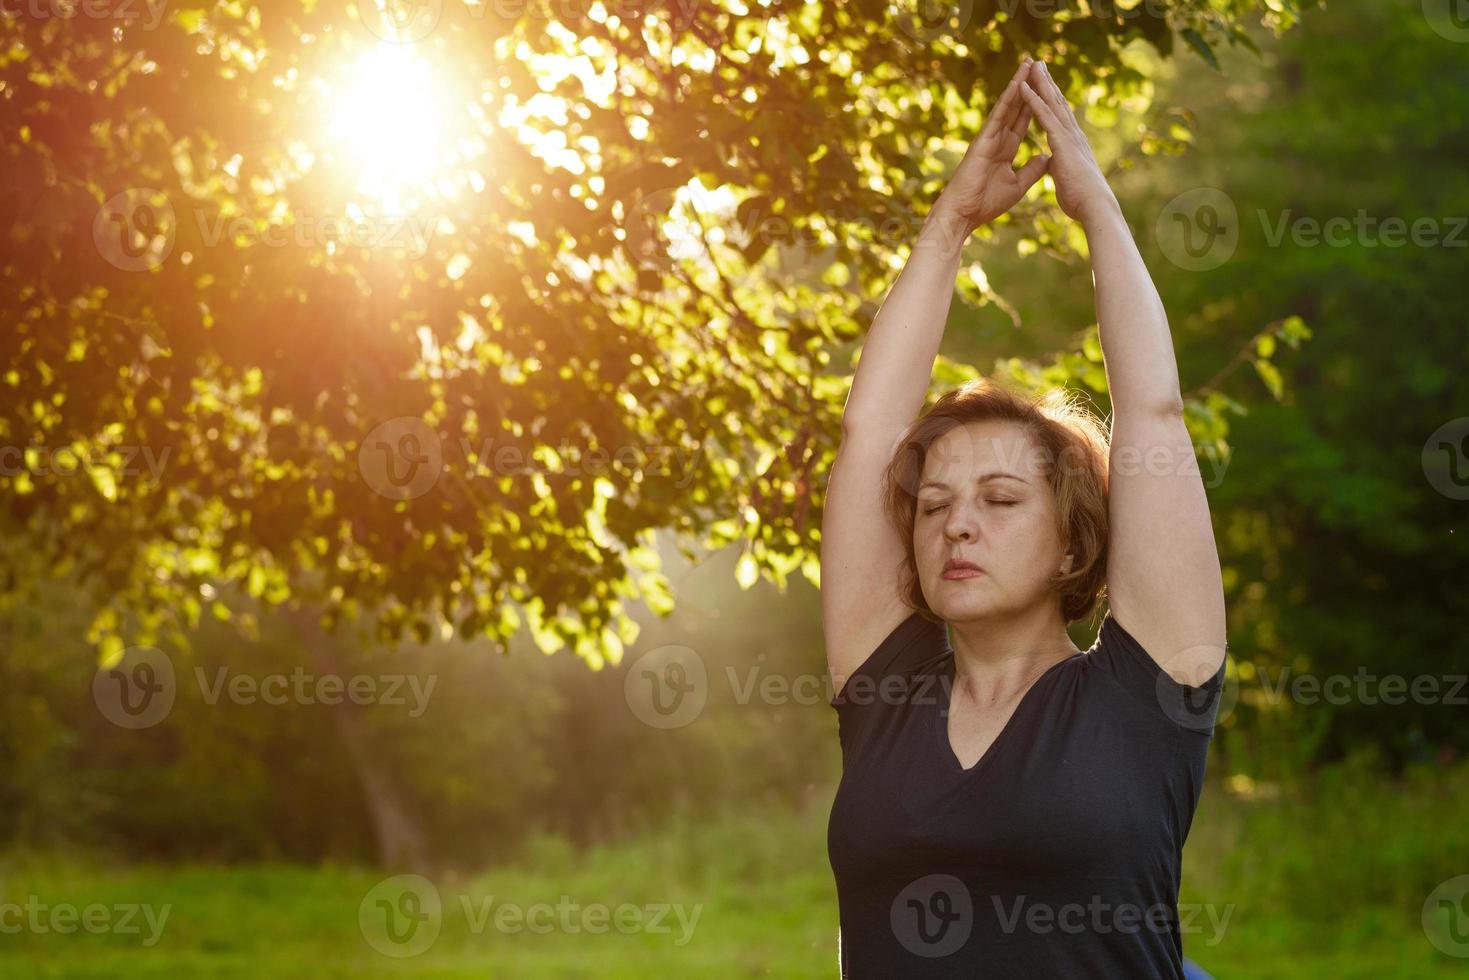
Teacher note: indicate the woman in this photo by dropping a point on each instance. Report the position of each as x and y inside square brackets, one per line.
[1011, 806]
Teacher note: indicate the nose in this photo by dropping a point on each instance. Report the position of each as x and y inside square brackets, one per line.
[962, 524]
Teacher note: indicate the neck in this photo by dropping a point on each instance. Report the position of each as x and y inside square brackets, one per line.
[995, 656]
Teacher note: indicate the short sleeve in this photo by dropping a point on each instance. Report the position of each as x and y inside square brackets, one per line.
[894, 674]
[1190, 707]
[887, 660]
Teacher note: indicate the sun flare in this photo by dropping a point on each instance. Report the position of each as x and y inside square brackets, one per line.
[387, 122]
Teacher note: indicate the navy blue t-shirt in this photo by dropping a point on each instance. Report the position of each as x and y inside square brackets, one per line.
[1056, 855]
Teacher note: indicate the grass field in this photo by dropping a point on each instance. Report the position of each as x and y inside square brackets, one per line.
[1314, 888]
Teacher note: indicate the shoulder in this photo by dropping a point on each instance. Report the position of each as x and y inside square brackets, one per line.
[1124, 661]
[911, 649]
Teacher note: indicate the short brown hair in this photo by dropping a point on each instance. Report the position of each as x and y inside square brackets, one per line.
[1063, 429]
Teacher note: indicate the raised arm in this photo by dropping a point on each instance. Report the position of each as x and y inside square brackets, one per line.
[861, 554]
[1163, 578]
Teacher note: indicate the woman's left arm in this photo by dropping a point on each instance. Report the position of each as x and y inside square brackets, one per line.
[1163, 579]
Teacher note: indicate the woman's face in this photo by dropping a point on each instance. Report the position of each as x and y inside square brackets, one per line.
[984, 497]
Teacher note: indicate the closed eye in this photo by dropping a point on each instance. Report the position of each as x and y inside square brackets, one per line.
[1001, 503]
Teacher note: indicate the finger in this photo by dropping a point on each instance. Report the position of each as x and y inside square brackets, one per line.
[1043, 112]
[1012, 137]
[1002, 114]
[1033, 170]
[1003, 110]
[1020, 121]
[1051, 92]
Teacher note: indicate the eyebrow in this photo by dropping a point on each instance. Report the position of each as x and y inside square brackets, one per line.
[982, 478]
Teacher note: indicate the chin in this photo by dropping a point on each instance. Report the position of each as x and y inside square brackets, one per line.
[954, 608]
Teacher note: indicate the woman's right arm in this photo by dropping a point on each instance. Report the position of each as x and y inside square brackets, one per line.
[861, 553]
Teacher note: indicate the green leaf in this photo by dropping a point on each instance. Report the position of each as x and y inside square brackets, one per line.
[1196, 41]
[746, 571]
[1271, 376]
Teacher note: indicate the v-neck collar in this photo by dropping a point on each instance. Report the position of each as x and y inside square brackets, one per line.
[940, 717]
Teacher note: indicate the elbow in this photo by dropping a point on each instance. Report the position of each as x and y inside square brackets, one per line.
[1170, 407]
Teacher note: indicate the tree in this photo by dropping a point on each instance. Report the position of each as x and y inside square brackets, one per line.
[1342, 518]
[335, 304]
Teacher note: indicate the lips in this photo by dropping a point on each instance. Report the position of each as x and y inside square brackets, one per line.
[957, 568]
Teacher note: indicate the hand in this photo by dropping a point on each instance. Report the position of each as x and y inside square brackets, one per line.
[1080, 186]
[984, 186]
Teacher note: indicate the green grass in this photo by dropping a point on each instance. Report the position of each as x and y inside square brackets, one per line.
[1325, 885]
